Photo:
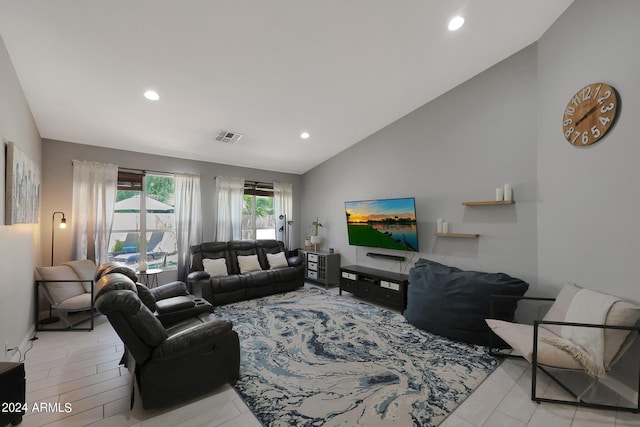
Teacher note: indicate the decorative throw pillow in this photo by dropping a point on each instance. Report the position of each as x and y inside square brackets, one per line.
[277, 260]
[621, 313]
[215, 267]
[558, 310]
[248, 263]
[453, 303]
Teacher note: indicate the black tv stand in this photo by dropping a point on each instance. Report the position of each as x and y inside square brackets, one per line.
[378, 285]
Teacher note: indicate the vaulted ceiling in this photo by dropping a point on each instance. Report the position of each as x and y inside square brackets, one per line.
[270, 70]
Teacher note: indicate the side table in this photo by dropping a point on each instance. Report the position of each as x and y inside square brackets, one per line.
[149, 278]
[12, 392]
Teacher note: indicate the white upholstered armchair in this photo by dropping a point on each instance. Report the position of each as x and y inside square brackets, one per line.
[577, 344]
[68, 288]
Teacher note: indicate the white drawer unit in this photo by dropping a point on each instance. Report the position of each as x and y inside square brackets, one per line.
[390, 285]
[322, 267]
[349, 276]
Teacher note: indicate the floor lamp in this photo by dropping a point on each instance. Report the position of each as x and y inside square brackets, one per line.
[63, 224]
[284, 229]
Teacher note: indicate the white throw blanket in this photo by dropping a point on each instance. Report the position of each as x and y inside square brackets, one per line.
[585, 344]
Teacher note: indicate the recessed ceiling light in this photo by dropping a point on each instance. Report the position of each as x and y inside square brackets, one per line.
[151, 95]
[456, 23]
[304, 135]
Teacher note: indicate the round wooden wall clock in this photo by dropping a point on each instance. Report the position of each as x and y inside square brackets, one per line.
[590, 113]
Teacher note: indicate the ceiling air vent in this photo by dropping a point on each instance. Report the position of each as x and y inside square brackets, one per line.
[228, 137]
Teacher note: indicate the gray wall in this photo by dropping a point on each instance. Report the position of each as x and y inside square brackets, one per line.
[459, 147]
[19, 244]
[576, 212]
[575, 217]
[588, 200]
[58, 183]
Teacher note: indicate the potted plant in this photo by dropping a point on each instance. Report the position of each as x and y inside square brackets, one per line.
[315, 239]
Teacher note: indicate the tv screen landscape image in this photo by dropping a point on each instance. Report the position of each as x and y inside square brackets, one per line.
[384, 223]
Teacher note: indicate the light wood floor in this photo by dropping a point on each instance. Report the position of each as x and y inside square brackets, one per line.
[81, 369]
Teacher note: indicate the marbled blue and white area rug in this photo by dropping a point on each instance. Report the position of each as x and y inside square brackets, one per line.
[311, 358]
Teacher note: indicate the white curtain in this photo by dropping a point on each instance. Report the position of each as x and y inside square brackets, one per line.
[230, 197]
[188, 211]
[283, 206]
[94, 198]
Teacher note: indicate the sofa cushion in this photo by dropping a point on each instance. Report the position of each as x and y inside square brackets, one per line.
[520, 338]
[112, 281]
[621, 313]
[146, 297]
[267, 246]
[61, 291]
[212, 250]
[558, 310]
[215, 267]
[168, 305]
[248, 263]
[85, 269]
[454, 303]
[115, 267]
[278, 260]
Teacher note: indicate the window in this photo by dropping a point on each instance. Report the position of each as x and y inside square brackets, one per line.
[258, 220]
[157, 224]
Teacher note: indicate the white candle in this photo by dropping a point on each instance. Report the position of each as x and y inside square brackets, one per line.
[508, 192]
[439, 225]
[445, 227]
[499, 194]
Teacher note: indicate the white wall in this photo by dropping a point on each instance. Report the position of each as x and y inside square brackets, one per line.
[19, 244]
[457, 148]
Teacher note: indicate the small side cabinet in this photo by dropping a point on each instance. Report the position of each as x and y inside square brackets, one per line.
[322, 267]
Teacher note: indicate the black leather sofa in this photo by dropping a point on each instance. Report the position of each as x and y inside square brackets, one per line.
[237, 286]
[174, 363]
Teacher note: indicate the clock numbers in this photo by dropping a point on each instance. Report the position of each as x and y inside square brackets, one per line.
[604, 120]
[589, 114]
[575, 137]
[607, 108]
[606, 96]
[576, 100]
[597, 91]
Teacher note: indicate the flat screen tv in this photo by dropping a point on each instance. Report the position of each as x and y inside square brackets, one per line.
[384, 223]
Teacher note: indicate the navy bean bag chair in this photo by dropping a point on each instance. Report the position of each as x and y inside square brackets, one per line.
[453, 303]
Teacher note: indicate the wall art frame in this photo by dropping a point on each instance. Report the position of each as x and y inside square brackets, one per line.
[22, 192]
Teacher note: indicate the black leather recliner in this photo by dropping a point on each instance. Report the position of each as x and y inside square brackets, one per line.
[174, 363]
[171, 302]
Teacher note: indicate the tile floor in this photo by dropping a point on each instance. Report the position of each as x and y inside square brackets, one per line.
[81, 369]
